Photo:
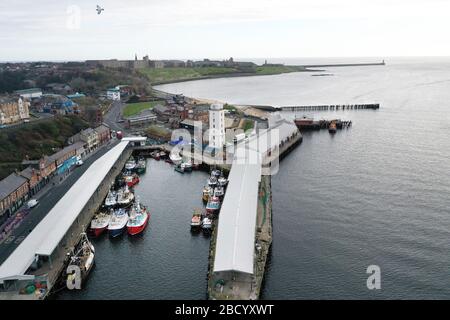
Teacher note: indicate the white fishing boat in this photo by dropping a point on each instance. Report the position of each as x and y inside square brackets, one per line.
[212, 181]
[206, 223]
[125, 197]
[111, 199]
[219, 192]
[130, 165]
[222, 181]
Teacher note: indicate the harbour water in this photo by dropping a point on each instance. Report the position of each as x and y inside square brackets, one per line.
[375, 194]
[166, 261]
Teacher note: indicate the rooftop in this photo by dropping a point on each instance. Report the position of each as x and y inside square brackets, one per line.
[236, 230]
[10, 184]
[31, 90]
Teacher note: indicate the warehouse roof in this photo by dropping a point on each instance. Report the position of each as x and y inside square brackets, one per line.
[236, 230]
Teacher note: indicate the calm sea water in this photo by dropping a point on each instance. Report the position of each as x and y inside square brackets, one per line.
[375, 194]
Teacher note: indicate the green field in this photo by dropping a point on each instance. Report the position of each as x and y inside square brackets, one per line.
[176, 74]
[134, 108]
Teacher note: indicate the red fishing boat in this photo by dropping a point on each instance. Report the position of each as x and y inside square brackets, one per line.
[139, 217]
[131, 180]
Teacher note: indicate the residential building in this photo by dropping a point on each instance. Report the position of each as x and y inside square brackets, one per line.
[13, 192]
[35, 182]
[216, 126]
[163, 113]
[104, 133]
[90, 137]
[13, 109]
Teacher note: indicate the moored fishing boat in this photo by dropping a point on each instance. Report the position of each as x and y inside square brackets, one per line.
[155, 155]
[131, 179]
[187, 166]
[139, 217]
[83, 257]
[206, 223]
[222, 181]
[111, 199]
[218, 192]
[118, 222]
[207, 192]
[216, 173]
[179, 168]
[130, 165]
[196, 220]
[141, 166]
[100, 223]
[212, 181]
[125, 197]
[213, 205]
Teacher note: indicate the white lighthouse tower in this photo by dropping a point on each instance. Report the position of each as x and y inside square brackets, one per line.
[216, 126]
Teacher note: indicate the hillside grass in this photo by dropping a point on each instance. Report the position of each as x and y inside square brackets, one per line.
[165, 75]
[132, 109]
[176, 74]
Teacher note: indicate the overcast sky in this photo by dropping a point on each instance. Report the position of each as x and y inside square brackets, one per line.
[72, 30]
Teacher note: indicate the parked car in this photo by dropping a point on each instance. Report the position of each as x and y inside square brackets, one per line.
[32, 203]
[79, 162]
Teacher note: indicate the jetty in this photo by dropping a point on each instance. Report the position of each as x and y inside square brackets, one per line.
[242, 236]
[368, 106]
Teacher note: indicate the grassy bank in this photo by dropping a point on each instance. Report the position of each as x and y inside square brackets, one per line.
[35, 140]
[177, 74]
[132, 109]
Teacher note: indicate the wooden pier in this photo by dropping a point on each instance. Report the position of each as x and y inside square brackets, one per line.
[370, 106]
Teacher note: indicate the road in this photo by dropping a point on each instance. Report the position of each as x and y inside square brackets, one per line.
[46, 203]
[115, 114]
